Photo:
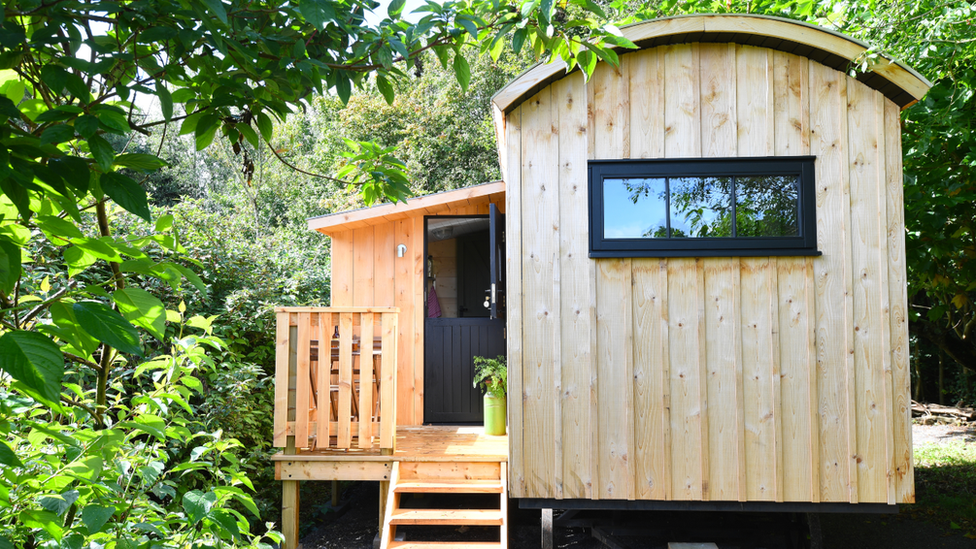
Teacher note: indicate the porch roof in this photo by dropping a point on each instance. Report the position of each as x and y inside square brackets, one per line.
[421, 205]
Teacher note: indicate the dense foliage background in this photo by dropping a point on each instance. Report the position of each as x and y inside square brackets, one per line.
[158, 162]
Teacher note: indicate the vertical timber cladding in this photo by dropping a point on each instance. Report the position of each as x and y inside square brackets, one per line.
[726, 379]
[366, 272]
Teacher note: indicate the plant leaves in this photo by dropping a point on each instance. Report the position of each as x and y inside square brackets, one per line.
[126, 193]
[462, 70]
[8, 457]
[35, 361]
[217, 8]
[385, 88]
[102, 151]
[75, 171]
[317, 12]
[142, 309]
[197, 504]
[95, 517]
[165, 100]
[139, 161]
[265, 126]
[107, 326]
[10, 270]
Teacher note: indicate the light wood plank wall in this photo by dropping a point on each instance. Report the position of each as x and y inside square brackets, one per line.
[726, 379]
[367, 273]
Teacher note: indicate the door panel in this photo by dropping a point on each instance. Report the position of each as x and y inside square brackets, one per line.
[450, 347]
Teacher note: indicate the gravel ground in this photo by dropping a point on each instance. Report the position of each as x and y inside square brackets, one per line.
[354, 526]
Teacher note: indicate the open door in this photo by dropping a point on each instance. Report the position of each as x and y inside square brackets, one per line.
[496, 243]
[465, 312]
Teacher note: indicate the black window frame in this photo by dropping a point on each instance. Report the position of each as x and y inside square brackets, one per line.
[803, 245]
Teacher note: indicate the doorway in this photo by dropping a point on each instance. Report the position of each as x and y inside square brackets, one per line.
[464, 317]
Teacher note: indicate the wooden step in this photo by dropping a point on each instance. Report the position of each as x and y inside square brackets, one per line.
[449, 486]
[445, 545]
[447, 517]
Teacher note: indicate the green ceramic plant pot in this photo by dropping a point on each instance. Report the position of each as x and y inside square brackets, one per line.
[495, 411]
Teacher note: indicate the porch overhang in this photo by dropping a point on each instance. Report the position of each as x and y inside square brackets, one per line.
[421, 205]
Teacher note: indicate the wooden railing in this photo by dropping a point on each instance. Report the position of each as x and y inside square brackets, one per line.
[327, 396]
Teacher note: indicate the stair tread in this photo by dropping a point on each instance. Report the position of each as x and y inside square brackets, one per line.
[464, 486]
[474, 517]
[444, 544]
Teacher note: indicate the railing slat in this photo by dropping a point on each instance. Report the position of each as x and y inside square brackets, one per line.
[302, 384]
[344, 436]
[388, 368]
[323, 382]
[281, 381]
[366, 381]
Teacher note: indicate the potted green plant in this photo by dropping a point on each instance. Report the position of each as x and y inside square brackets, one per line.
[492, 374]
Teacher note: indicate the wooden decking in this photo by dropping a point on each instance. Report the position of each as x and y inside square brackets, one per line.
[413, 444]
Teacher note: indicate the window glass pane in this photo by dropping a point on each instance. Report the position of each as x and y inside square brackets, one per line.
[701, 207]
[634, 208]
[767, 205]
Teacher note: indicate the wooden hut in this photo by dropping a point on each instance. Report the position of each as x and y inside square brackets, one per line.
[706, 301]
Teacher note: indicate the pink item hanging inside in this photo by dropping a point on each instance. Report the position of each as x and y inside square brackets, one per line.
[433, 307]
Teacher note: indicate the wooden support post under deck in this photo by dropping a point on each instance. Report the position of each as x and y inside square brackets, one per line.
[289, 505]
[384, 491]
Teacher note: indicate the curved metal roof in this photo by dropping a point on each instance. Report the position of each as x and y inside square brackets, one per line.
[895, 80]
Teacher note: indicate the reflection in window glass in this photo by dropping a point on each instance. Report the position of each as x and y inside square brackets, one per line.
[701, 207]
[767, 205]
[635, 208]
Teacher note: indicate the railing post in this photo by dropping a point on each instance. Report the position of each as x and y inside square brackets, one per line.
[388, 367]
[281, 380]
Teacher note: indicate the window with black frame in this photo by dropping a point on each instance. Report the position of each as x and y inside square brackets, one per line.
[702, 207]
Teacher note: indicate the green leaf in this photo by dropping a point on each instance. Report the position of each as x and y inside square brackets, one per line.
[126, 193]
[10, 271]
[343, 87]
[86, 126]
[35, 361]
[58, 133]
[265, 126]
[190, 275]
[102, 151]
[468, 26]
[78, 259]
[164, 223]
[248, 132]
[395, 8]
[108, 326]
[95, 517]
[139, 161]
[217, 8]
[385, 88]
[205, 136]
[462, 70]
[165, 100]
[147, 423]
[142, 309]
[77, 339]
[58, 229]
[8, 457]
[317, 12]
[59, 503]
[113, 121]
[75, 171]
[44, 520]
[197, 504]
[227, 521]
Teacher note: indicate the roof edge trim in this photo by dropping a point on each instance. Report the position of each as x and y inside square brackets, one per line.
[427, 204]
[909, 86]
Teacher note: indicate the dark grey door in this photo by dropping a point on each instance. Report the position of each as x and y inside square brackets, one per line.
[450, 346]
